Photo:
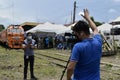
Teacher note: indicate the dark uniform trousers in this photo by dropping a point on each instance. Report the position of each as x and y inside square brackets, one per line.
[28, 59]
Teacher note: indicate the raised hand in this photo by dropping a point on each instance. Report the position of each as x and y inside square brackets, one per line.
[86, 14]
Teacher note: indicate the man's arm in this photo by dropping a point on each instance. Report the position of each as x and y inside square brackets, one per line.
[70, 69]
[25, 45]
[91, 23]
[34, 45]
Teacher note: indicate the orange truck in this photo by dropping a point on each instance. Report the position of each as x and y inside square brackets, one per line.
[13, 36]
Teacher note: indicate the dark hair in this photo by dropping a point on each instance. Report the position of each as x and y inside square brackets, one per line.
[29, 33]
[81, 26]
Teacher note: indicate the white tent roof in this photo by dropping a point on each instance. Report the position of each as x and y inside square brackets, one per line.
[105, 27]
[117, 19]
[67, 29]
[47, 27]
[116, 26]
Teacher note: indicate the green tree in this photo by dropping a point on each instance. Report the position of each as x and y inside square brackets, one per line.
[1, 27]
[96, 22]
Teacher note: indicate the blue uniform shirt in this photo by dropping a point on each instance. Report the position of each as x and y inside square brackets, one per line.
[87, 54]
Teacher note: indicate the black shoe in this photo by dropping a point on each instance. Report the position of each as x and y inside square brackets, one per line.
[24, 79]
[33, 78]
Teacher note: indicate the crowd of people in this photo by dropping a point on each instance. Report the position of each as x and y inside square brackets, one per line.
[58, 41]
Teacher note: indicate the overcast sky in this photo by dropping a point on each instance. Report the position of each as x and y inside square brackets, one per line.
[55, 11]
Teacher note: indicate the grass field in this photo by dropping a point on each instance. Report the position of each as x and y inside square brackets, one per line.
[11, 65]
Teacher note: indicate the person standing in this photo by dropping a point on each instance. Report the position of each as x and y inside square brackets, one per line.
[85, 58]
[28, 46]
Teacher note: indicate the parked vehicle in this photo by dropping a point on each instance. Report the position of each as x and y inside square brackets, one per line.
[13, 36]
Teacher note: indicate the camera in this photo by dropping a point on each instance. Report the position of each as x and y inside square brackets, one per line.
[72, 39]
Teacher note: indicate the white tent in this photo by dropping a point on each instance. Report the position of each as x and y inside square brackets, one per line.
[47, 27]
[67, 29]
[116, 21]
[105, 27]
[40, 27]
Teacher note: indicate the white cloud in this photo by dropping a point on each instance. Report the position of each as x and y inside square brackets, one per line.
[117, 0]
[5, 4]
[5, 15]
[112, 11]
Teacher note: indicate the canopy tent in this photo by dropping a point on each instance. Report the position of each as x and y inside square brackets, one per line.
[47, 27]
[40, 28]
[67, 29]
[116, 21]
[105, 27]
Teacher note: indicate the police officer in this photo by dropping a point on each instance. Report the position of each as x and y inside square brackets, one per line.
[28, 46]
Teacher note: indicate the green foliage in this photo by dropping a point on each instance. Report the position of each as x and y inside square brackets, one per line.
[96, 22]
[92, 19]
[1, 27]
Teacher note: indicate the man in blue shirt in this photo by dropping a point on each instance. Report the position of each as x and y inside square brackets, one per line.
[85, 58]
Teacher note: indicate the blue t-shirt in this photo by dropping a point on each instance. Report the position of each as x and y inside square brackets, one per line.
[47, 40]
[87, 54]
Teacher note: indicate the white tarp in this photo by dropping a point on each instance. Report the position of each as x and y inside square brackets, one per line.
[67, 29]
[47, 27]
[105, 27]
[117, 19]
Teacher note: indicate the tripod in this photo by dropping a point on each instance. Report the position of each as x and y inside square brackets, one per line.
[65, 69]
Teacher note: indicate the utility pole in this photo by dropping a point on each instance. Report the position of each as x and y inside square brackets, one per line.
[74, 11]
